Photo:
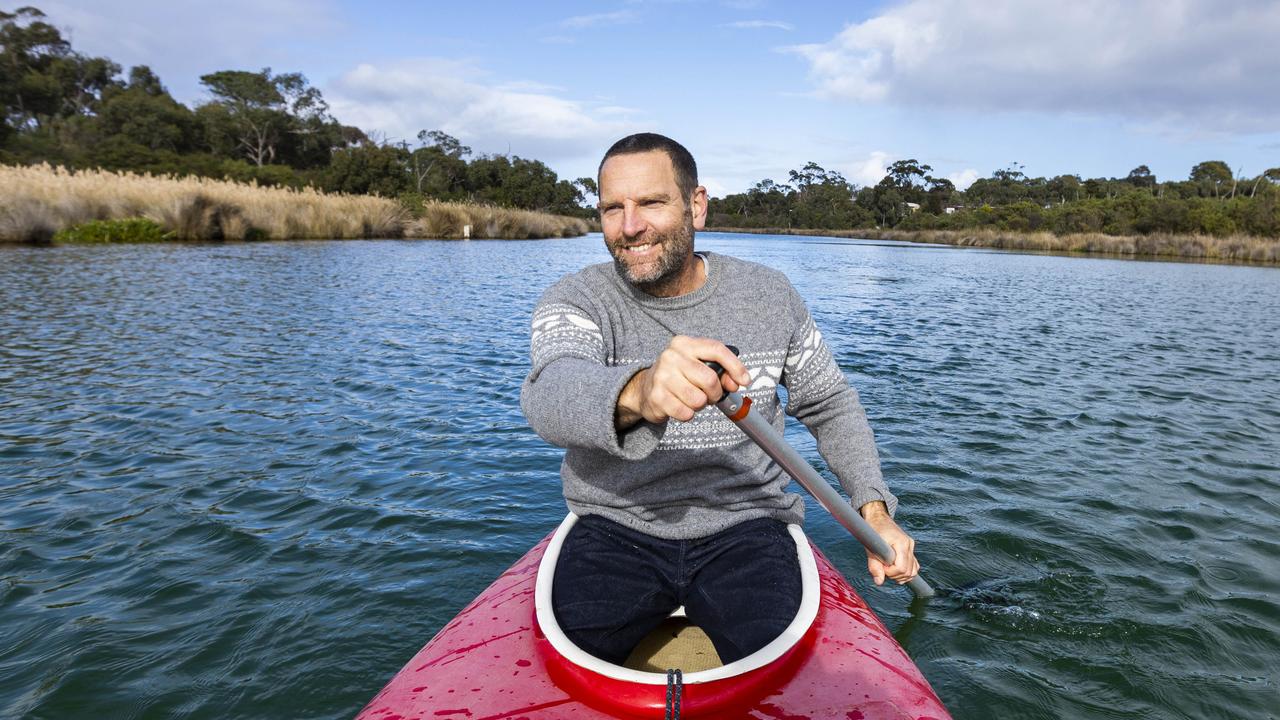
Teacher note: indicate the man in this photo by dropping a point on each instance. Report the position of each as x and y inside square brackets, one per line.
[676, 505]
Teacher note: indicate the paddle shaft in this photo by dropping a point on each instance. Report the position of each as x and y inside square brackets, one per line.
[738, 409]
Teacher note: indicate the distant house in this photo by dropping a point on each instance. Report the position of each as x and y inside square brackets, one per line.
[913, 206]
[951, 209]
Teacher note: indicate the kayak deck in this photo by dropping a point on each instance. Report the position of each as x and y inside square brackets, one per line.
[493, 661]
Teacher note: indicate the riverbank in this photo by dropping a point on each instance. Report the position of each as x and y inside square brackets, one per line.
[37, 202]
[1233, 248]
[453, 221]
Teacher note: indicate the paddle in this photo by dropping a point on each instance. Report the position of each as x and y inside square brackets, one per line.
[738, 409]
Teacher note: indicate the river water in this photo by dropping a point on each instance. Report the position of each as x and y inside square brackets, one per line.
[251, 480]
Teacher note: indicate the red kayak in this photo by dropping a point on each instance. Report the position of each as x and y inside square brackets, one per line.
[504, 656]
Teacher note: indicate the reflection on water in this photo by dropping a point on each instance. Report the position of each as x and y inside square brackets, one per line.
[252, 480]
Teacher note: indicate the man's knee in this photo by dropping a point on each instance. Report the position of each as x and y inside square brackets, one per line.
[607, 593]
[749, 591]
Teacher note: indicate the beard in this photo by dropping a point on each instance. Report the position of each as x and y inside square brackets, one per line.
[655, 277]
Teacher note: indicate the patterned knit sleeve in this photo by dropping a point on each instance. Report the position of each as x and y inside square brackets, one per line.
[571, 393]
[819, 396]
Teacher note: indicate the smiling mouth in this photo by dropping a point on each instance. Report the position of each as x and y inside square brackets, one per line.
[639, 249]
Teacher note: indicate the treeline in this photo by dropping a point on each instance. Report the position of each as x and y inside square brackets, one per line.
[66, 108]
[1212, 201]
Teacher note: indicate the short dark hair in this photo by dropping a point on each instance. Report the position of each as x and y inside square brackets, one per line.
[686, 169]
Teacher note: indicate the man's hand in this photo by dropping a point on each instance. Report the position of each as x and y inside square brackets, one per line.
[679, 383]
[905, 566]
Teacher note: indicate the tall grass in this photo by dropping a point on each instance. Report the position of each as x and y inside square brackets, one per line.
[38, 201]
[448, 220]
[1232, 248]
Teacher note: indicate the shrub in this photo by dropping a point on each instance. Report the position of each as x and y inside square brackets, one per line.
[130, 230]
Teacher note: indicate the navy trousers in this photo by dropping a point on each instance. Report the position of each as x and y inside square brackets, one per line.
[613, 585]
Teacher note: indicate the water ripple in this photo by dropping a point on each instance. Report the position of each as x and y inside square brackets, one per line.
[251, 480]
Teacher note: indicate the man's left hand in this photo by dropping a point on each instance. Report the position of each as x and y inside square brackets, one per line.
[905, 566]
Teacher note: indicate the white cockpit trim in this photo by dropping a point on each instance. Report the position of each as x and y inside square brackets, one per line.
[809, 600]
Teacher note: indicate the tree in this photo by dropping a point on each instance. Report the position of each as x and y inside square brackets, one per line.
[368, 168]
[1272, 174]
[587, 186]
[442, 153]
[28, 48]
[262, 108]
[909, 176]
[1064, 188]
[145, 114]
[939, 193]
[887, 202]
[1141, 177]
[821, 199]
[1211, 176]
[521, 183]
[41, 78]
[904, 182]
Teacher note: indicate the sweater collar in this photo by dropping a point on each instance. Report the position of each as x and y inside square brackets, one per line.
[679, 301]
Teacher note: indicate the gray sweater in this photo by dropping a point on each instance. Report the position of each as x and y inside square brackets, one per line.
[592, 331]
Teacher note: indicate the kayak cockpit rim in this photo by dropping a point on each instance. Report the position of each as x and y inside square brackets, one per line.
[809, 600]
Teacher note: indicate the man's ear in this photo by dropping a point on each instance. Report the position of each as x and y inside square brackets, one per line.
[698, 204]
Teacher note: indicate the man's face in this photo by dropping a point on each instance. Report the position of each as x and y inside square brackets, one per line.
[648, 224]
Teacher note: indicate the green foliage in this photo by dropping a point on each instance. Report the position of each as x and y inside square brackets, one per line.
[1141, 177]
[41, 78]
[368, 169]
[264, 118]
[438, 166]
[1209, 202]
[1211, 177]
[520, 183]
[818, 198]
[131, 230]
[145, 114]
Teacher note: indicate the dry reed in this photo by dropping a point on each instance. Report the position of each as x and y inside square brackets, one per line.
[37, 201]
[448, 220]
[1232, 248]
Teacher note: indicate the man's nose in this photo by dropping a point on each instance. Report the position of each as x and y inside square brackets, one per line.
[632, 224]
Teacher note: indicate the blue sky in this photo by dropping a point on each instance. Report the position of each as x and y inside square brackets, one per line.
[756, 87]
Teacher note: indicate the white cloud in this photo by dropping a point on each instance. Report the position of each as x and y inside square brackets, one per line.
[402, 98]
[869, 170]
[964, 178]
[579, 22]
[616, 111]
[1169, 62]
[761, 24]
[529, 86]
[714, 187]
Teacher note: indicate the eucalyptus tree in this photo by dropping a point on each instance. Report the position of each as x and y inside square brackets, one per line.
[1271, 174]
[259, 111]
[42, 80]
[144, 113]
[441, 158]
[1141, 177]
[1211, 176]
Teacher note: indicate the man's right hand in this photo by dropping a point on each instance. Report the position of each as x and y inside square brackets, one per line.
[679, 383]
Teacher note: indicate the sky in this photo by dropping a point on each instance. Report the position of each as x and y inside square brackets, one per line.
[754, 88]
